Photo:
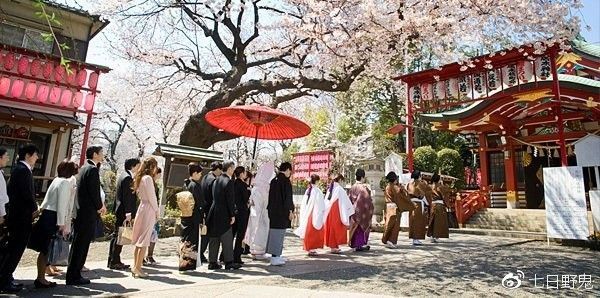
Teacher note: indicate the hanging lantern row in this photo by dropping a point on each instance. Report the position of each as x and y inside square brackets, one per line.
[35, 92]
[483, 84]
[24, 65]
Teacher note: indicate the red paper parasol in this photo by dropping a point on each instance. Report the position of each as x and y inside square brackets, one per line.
[258, 122]
[396, 129]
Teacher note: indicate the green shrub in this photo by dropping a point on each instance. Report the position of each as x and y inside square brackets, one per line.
[425, 159]
[109, 220]
[172, 212]
[451, 163]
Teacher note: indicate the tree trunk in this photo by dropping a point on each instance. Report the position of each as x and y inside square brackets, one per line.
[198, 133]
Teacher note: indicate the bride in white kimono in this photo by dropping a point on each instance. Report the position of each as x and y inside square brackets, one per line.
[258, 223]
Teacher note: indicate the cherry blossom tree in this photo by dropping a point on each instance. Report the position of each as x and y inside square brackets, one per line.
[243, 51]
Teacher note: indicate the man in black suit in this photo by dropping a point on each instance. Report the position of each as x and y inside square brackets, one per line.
[125, 209]
[220, 218]
[90, 205]
[216, 170]
[22, 209]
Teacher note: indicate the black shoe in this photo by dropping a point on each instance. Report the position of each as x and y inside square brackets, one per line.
[11, 289]
[232, 266]
[203, 259]
[119, 266]
[39, 285]
[367, 247]
[239, 262]
[214, 266]
[17, 284]
[77, 282]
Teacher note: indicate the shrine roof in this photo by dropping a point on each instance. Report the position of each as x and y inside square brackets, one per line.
[586, 47]
[482, 104]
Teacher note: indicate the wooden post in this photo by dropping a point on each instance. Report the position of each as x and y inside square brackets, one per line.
[409, 131]
[86, 136]
[483, 162]
[558, 111]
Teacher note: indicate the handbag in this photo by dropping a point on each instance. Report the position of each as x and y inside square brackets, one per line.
[58, 252]
[125, 235]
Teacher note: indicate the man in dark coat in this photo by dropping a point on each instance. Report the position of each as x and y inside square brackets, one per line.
[192, 184]
[281, 212]
[90, 205]
[220, 218]
[20, 213]
[216, 170]
[125, 209]
[242, 214]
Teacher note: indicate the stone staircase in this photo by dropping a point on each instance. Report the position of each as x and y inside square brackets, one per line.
[514, 223]
[526, 220]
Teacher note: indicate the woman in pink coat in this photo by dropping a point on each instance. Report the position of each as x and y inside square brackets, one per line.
[147, 214]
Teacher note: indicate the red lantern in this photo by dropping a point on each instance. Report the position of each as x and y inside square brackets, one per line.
[81, 76]
[89, 102]
[60, 73]
[78, 100]
[4, 86]
[71, 74]
[30, 90]
[35, 67]
[22, 65]
[9, 61]
[48, 68]
[66, 98]
[93, 82]
[17, 88]
[42, 93]
[55, 95]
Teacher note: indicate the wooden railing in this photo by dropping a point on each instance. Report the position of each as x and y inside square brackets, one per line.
[468, 203]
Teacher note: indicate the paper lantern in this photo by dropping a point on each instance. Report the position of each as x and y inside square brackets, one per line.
[4, 86]
[54, 95]
[81, 76]
[23, 65]
[48, 69]
[452, 88]
[60, 73]
[35, 68]
[66, 98]
[89, 102]
[71, 74]
[9, 61]
[17, 88]
[93, 82]
[524, 71]
[42, 93]
[78, 100]
[30, 90]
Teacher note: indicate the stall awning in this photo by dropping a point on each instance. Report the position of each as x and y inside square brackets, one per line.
[186, 152]
[38, 118]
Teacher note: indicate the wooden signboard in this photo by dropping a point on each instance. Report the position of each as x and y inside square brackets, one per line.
[566, 212]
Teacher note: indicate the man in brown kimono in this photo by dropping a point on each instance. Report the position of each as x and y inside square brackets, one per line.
[396, 202]
[417, 193]
[438, 219]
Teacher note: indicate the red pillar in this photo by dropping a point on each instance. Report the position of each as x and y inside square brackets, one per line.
[558, 110]
[86, 135]
[409, 130]
[483, 162]
[510, 170]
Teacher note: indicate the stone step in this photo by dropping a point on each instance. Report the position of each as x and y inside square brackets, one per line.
[501, 233]
[506, 228]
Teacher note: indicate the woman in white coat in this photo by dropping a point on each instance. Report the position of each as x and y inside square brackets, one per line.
[257, 232]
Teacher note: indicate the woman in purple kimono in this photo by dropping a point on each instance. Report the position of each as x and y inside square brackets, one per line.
[360, 222]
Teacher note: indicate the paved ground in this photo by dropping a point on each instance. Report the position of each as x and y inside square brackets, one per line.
[465, 265]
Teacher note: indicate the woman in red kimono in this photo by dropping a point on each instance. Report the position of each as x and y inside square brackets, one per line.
[338, 209]
[312, 218]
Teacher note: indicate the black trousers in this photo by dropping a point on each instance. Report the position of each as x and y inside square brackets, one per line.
[83, 234]
[18, 237]
[114, 253]
[239, 232]
[204, 240]
[225, 241]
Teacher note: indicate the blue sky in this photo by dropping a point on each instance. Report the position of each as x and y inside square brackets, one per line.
[590, 15]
